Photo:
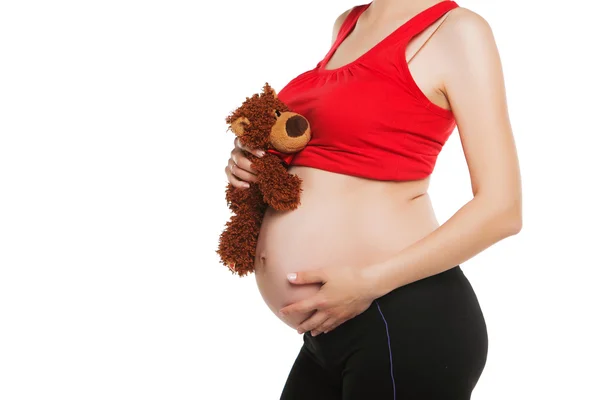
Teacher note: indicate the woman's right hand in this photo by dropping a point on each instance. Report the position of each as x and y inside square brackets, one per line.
[239, 168]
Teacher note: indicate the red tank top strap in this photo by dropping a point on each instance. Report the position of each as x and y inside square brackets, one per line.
[401, 36]
[349, 22]
[425, 18]
[347, 25]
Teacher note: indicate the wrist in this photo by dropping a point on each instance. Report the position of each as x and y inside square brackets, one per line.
[377, 282]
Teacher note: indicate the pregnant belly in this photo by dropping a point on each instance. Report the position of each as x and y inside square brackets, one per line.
[342, 221]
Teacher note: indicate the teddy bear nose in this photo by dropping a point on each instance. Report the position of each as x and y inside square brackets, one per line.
[296, 126]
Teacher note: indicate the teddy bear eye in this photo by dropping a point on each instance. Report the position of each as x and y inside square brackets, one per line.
[277, 113]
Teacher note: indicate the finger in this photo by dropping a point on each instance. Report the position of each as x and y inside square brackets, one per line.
[234, 181]
[243, 162]
[319, 329]
[240, 173]
[309, 276]
[312, 322]
[303, 306]
[257, 152]
[331, 324]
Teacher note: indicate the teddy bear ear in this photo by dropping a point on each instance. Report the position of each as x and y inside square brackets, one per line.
[238, 126]
[267, 89]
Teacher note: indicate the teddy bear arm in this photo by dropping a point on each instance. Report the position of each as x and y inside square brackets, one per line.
[281, 190]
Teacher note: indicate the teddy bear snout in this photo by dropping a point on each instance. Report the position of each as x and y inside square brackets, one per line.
[296, 126]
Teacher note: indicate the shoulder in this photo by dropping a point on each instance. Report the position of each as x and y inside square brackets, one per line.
[467, 46]
[464, 29]
[339, 21]
[472, 67]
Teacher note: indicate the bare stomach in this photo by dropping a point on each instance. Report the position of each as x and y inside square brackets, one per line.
[342, 220]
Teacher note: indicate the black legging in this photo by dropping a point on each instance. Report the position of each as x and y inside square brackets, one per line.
[423, 341]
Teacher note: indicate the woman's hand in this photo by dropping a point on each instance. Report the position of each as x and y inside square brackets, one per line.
[346, 292]
[239, 169]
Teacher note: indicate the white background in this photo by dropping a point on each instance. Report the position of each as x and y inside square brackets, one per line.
[112, 150]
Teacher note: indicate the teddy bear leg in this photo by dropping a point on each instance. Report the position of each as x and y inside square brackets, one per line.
[237, 244]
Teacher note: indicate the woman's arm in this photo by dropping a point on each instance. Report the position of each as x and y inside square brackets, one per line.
[474, 86]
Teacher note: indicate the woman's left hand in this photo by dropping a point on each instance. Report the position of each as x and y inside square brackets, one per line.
[346, 292]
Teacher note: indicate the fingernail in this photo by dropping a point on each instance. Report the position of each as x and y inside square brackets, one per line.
[291, 276]
[300, 331]
[246, 185]
[313, 334]
[260, 153]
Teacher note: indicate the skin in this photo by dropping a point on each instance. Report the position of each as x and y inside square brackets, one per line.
[458, 68]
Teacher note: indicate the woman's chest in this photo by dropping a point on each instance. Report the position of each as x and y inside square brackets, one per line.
[347, 105]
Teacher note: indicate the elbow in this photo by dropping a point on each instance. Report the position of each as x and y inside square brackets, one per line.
[515, 216]
[516, 224]
[511, 218]
[505, 217]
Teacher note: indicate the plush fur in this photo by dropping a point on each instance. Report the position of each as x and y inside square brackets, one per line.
[261, 122]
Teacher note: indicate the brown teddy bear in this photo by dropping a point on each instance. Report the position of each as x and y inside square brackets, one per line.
[261, 122]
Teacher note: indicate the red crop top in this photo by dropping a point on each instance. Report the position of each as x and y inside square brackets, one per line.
[369, 118]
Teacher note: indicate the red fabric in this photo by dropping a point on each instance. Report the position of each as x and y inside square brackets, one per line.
[369, 118]
[286, 157]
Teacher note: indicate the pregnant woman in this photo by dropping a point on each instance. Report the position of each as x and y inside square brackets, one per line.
[362, 268]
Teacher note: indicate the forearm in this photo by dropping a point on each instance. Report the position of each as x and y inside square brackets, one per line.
[474, 227]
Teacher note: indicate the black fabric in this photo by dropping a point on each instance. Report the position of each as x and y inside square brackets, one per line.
[426, 340]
